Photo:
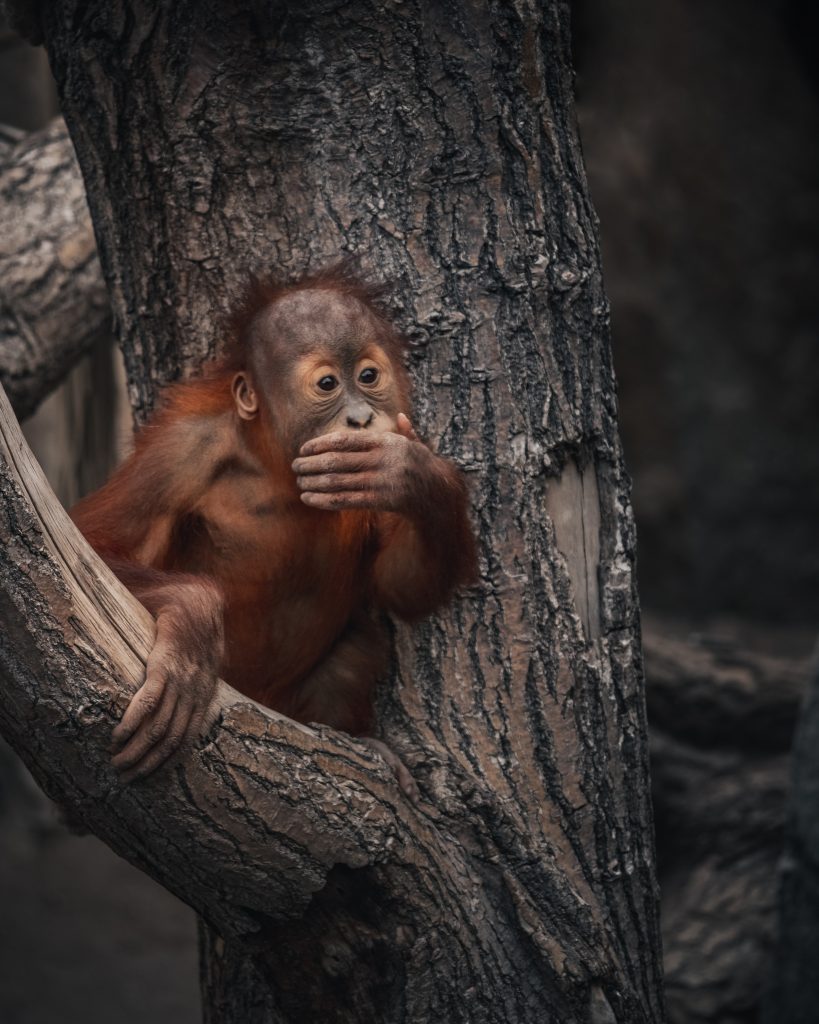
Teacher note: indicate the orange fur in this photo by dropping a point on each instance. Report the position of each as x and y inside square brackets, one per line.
[207, 496]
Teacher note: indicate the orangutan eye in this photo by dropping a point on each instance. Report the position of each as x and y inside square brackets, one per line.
[328, 383]
[368, 376]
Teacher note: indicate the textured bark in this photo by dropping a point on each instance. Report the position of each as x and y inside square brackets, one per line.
[722, 719]
[53, 302]
[437, 141]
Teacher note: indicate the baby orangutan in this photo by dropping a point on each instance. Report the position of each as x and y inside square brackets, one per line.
[271, 511]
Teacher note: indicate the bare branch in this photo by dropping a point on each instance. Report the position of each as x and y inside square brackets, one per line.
[250, 822]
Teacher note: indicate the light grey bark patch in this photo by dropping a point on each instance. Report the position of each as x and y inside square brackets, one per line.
[573, 505]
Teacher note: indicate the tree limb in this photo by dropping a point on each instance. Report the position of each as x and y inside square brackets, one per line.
[274, 804]
[53, 301]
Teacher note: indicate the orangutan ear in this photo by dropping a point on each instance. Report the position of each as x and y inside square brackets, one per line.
[247, 402]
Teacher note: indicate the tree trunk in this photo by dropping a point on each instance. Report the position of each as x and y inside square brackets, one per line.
[438, 142]
[53, 303]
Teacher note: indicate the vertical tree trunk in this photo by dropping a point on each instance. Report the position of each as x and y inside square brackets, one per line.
[437, 141]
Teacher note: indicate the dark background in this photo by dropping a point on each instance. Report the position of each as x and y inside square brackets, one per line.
[700, 126]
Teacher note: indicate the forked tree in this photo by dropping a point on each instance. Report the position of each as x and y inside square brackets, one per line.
[437, 142]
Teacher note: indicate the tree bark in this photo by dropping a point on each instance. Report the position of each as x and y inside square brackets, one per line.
[438, 142]
[53, 301]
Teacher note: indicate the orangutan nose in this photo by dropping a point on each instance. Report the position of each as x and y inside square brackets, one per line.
[360, 415]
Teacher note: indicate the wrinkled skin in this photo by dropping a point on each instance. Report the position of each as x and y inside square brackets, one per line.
[363, 470]
[181, 675]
